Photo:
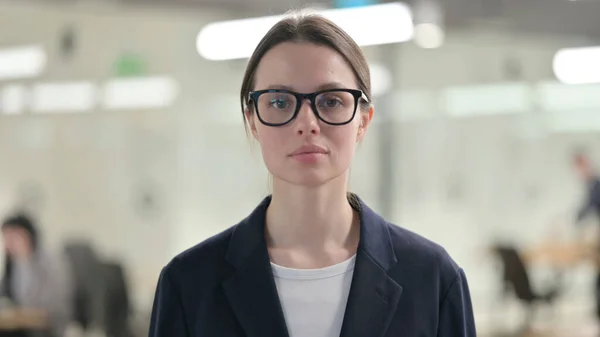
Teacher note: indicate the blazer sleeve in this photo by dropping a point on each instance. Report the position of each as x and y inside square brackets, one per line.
[167, 319]
[456, 310]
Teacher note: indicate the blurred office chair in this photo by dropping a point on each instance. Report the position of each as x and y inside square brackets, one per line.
[516, 279]
[117, 302]
[88, 307]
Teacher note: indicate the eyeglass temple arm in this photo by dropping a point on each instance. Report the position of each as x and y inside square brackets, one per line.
[364, 97]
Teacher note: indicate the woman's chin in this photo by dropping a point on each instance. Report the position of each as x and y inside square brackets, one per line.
[308, 178]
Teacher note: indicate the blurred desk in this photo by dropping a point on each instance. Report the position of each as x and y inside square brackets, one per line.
[562, 254]
[13, 320]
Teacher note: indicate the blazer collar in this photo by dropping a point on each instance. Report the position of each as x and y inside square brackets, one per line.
[252, 292]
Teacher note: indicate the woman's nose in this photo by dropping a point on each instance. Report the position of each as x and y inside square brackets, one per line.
[307, 120]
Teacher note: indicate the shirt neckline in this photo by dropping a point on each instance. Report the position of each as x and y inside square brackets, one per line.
[314, 274]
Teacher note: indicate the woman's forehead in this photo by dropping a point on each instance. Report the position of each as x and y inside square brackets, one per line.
[303, 67]
[12, 229]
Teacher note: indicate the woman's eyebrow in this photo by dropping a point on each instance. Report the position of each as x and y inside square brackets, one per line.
[325, 86]
[280, 87]
[330, 85]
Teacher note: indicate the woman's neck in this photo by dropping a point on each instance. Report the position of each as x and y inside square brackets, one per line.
[312, 219]
[23, 258]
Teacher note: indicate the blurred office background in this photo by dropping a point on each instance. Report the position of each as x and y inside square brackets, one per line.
[121, 138]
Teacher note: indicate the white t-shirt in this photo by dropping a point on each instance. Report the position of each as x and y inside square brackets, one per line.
[314, 300]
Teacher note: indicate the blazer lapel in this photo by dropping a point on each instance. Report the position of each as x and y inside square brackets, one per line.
[251, 290]
[373, 296]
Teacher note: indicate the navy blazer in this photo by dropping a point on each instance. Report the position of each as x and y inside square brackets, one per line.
[403, 286]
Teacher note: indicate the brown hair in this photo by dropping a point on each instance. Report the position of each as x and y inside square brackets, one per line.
[312, 28]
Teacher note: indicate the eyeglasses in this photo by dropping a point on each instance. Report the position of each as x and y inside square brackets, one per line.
[277, 107]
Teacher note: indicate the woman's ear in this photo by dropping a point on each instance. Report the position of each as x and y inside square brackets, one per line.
[251, 122]
[365, 121]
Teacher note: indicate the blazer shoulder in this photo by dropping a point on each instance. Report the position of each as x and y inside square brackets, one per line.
[204, 259]
[415, 250]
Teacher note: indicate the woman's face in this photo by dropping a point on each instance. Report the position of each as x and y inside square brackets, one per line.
[307, 68]
[17, 242]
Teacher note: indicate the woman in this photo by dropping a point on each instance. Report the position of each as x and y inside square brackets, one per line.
[312, 259]
[33, 280]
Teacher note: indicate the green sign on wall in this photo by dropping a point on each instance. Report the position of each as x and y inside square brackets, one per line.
[129, 64]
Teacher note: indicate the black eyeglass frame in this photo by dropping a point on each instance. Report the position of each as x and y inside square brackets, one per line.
[300, 97]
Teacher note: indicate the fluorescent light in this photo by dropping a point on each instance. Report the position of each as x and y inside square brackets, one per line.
[392, 24]
[555, 96]
[507, 98]
[237, 39]
[578, 65]
[139, 93]
[64, 97]
[21, 62]
[429, 35]
[12, 100]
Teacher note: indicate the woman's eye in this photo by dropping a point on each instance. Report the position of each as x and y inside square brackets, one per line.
[331, 102]
[279, 104]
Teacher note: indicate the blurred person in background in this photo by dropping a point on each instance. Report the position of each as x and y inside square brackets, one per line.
[586, 173]
[591, 204]
[312, 260]
[35, 282]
